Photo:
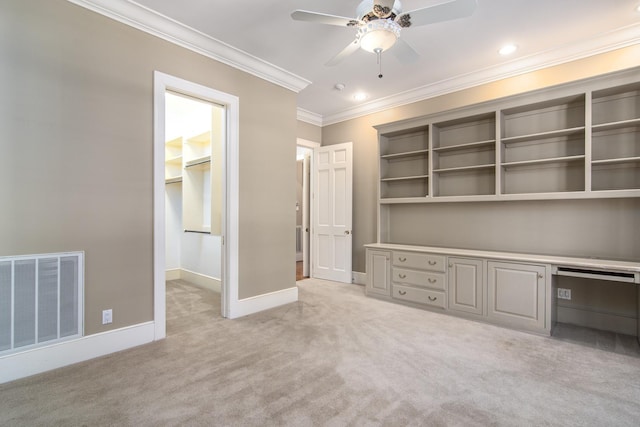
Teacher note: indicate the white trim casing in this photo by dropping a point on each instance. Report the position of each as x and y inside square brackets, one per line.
[42, 359]
[251, 305]
[230, 221]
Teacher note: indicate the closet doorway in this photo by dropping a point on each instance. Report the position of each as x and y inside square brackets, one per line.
[208, 178]
[194, 133]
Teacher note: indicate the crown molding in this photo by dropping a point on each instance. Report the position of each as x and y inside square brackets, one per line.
[144, 19]
[602, 43]
[309, 117]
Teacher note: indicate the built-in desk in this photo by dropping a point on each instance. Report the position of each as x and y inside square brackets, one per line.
[516, 290]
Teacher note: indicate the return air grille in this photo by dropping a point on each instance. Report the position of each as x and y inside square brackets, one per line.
[41, 300]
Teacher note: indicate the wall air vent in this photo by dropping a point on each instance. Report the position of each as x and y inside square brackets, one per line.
[41, 300]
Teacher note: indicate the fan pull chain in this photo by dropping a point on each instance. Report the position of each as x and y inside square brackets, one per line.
[378, 52]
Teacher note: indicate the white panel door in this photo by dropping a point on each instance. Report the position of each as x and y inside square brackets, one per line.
[332, 212]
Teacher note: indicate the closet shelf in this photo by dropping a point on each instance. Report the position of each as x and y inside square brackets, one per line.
[174, 143]
[197, 162]
[173, 180]
[543, 135]
[176, 159]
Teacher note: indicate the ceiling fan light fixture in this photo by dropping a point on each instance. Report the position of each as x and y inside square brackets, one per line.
[379, 35]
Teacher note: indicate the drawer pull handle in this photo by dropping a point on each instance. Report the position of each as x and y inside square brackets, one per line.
[402, 292]
[402, 259]
[432, 280]
[402, 276]
[432, 299]
[433, 262]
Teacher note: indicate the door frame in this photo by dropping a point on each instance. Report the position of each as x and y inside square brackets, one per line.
[311, 145]
[230, 195]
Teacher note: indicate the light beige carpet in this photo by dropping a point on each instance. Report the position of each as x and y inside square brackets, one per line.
[334, 358]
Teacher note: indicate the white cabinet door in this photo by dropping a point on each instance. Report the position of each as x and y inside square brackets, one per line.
[332, 212]
[517, 294]
[378, 272]
[466, 285]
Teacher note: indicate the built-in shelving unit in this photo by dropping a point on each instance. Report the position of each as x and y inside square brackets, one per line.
[173, 161]
[575, 141]
[404, 164]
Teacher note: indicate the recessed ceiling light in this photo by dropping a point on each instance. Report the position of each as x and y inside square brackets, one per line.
[360, 96]
[507, 49]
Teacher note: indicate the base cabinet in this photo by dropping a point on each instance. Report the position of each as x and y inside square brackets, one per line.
[379, 273]
[517, 295]
[466, 285]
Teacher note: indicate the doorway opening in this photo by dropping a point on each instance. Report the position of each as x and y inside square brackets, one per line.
[208, 217]
[304, 162]
[195, 130]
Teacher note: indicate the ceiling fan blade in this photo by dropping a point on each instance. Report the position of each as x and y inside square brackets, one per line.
[323, 18]
[404, 52]
[351, 48]
[382, 8]
[438, 13]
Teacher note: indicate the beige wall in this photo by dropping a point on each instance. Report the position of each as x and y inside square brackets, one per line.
[309, 132]
[76, 151]
[438, 218]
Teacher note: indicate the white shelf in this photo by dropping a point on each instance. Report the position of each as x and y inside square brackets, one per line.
[616, 125]
[416, 153]
[176, 159]
[173, 180]
[618, 161]
[465, 168]
[470, 145]
[197, 162]
[404, 178]
[544, 161]
[543, 135]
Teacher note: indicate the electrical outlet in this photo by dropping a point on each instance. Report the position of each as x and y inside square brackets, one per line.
[107, 316]
[564, 293]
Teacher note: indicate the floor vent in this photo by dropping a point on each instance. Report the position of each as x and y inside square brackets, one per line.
[41, 300]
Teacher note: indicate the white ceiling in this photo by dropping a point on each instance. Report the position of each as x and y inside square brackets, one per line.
[453, 54]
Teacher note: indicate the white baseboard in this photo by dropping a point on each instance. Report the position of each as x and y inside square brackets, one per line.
[35, 361]
[593, 319]
[359, 278]
[173, 274]
[264, 302]
[201, 280]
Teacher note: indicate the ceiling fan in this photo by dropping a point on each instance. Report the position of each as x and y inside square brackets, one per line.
[379, 22]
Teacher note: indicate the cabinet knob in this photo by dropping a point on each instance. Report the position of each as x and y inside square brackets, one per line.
[402, 292]
[347, 232]
[450, 265]
[539, 276]
[401, 259]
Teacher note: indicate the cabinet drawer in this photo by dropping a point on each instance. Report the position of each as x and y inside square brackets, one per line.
[419, 278]
[421, 261]
[422, 296]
